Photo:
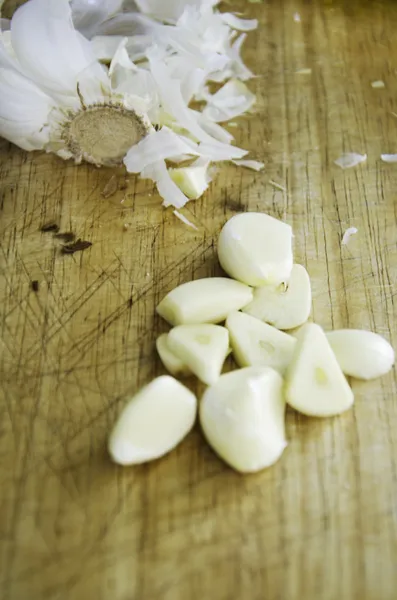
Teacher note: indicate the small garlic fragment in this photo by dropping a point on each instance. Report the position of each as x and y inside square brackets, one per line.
[172, 363]
[242, 417]
[350, 159]
[315, 384]
[379, 84]
[256, 249]
[348, 234]
[362, 354]
[153, 422]
[256, 343]
[203, 349]
[207, 300]
[283, 306]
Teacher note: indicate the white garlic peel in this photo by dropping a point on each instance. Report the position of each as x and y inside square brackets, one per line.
[242, 417]
[284, 306]
[202, 348]
[256, 343]
[207, 300]
[256, 249]
[361, 354]
[315, 384]
[153, 422]
[171, 362]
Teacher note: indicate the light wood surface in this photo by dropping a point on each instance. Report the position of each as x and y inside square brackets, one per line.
[322, 523]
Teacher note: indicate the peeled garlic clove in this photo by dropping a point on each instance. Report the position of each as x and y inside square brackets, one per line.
[203, 349]
[153, 422]
[256, 249]
[315, 384]
[204, 301]
[256, 343]
[361, 354]
[284, 306]
[171, 362]
[193, 180]
[242, 417]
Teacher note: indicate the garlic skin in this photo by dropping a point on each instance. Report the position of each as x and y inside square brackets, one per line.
[207, 300]
[361, 354]
[171, 362]
[284, 306]
[314, 382]
[202, 348]
[350, 159]
[242, 417]
[255, 343]
[153, 422]
[256, 249]
[232, 100]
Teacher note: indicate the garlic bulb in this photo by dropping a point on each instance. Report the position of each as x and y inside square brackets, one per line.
[57, 96]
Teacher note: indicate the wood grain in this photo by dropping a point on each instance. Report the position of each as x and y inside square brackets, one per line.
[321, 524]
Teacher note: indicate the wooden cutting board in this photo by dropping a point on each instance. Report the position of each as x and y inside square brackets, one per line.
[322, 523]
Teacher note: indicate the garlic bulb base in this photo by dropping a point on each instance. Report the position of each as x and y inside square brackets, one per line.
[102, 134]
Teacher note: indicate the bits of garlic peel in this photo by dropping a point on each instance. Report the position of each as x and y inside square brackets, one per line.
[207, 300]
[242, 417]
[256, 249]
[361, 354]
[314, 382]
[153, 422]
[203, 348]
[283, 306]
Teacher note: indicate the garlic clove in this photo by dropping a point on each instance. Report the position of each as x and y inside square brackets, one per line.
[315, 384]
[256, 343]
[362, 354]
[256, 249]
[242, 417]
[153, 422]
[171, 362]
[192, 180]
[203, 349]
[284, 306]
[207, 300]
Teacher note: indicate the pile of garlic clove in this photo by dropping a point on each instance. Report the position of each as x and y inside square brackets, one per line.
[242, 413]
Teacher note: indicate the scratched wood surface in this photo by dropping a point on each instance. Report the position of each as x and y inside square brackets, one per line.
[322, 523]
